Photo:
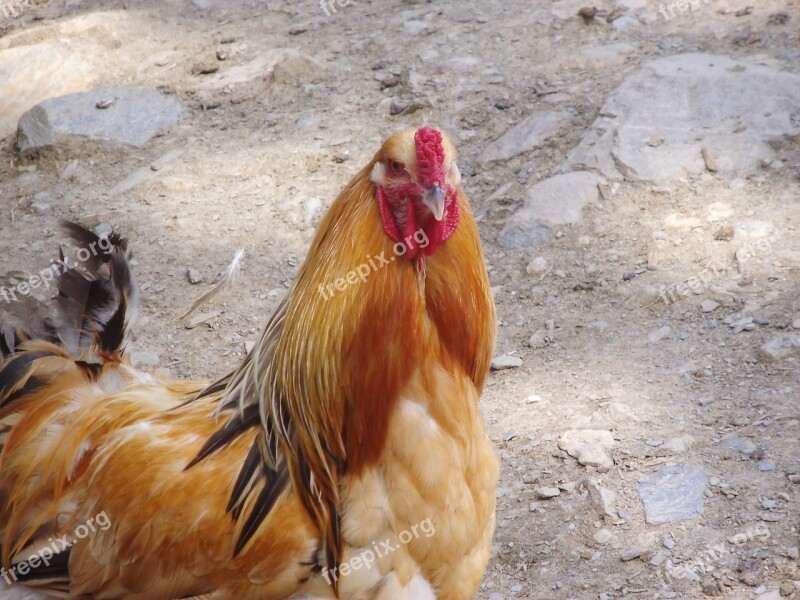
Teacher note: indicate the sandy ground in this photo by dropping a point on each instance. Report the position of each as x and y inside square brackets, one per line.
[255, 160]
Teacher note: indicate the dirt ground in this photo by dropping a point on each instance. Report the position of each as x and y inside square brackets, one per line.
[255, 160]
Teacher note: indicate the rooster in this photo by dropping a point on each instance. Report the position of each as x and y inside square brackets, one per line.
[344, 458]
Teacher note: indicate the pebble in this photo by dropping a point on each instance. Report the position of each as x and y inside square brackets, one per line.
[537, 266]
[144, 359]
[194, 276]
[708, 306]
[633, 553]
[780, 347]
[680, 444]
[705, 400]
[659, 334]
[669, 543]
[765, 465]
[543, 493]
[506, 361]
[744, 446]
[658, 559]
[796, 324]
[588, 446]
[603, 536]
[601, 497]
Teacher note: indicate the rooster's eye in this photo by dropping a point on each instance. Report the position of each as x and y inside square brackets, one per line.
[396, 167]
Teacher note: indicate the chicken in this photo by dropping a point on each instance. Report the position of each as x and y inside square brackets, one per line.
[345, 457]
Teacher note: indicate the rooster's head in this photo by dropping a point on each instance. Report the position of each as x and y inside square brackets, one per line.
[417, 184]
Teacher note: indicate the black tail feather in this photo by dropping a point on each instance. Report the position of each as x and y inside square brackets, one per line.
[92, 309]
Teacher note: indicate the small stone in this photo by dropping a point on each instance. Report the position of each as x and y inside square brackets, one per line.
[743, 445]
[710, 587]
[538, 340]
[768, 503]
[796, 323]
[248, 346]
[194, 276]
[537, 266]
[669, 543]
[705, 400]
[708, 306]
[680, 444]
[787, 588]
[658, 559]
[793, 552]
[602, 498]
[205, 68]
[780, 347]
[633, 553]
[506, 361]
[659, 334]
[603, 536]
[544, 493]
[144, 359]
[588, 446]
[533, 506]
[765, 465]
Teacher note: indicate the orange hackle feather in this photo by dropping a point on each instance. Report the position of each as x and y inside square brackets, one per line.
[251, 486]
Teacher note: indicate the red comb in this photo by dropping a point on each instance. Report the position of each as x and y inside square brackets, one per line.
[430, 156]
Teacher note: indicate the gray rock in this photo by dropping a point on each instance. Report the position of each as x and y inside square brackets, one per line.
[145, 359]
[744, 446]
[659, 334]
[194, 276]
[558, 200]
[780, 347]
[672, 493]
[506, 361]
[525, 136]
[537, 266]
[680, 444]
[543, 493]
[602, 498]
[588, 446]
[135, 116]
[603, 536]
[685, 103]
[32, 73]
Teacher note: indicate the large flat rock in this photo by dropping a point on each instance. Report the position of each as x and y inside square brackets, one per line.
[133, 116]
[656, 124]
[558, 200]
[30, 74]
[526, 135]
[673, 493]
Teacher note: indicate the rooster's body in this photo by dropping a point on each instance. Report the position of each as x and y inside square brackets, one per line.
[345, 456]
